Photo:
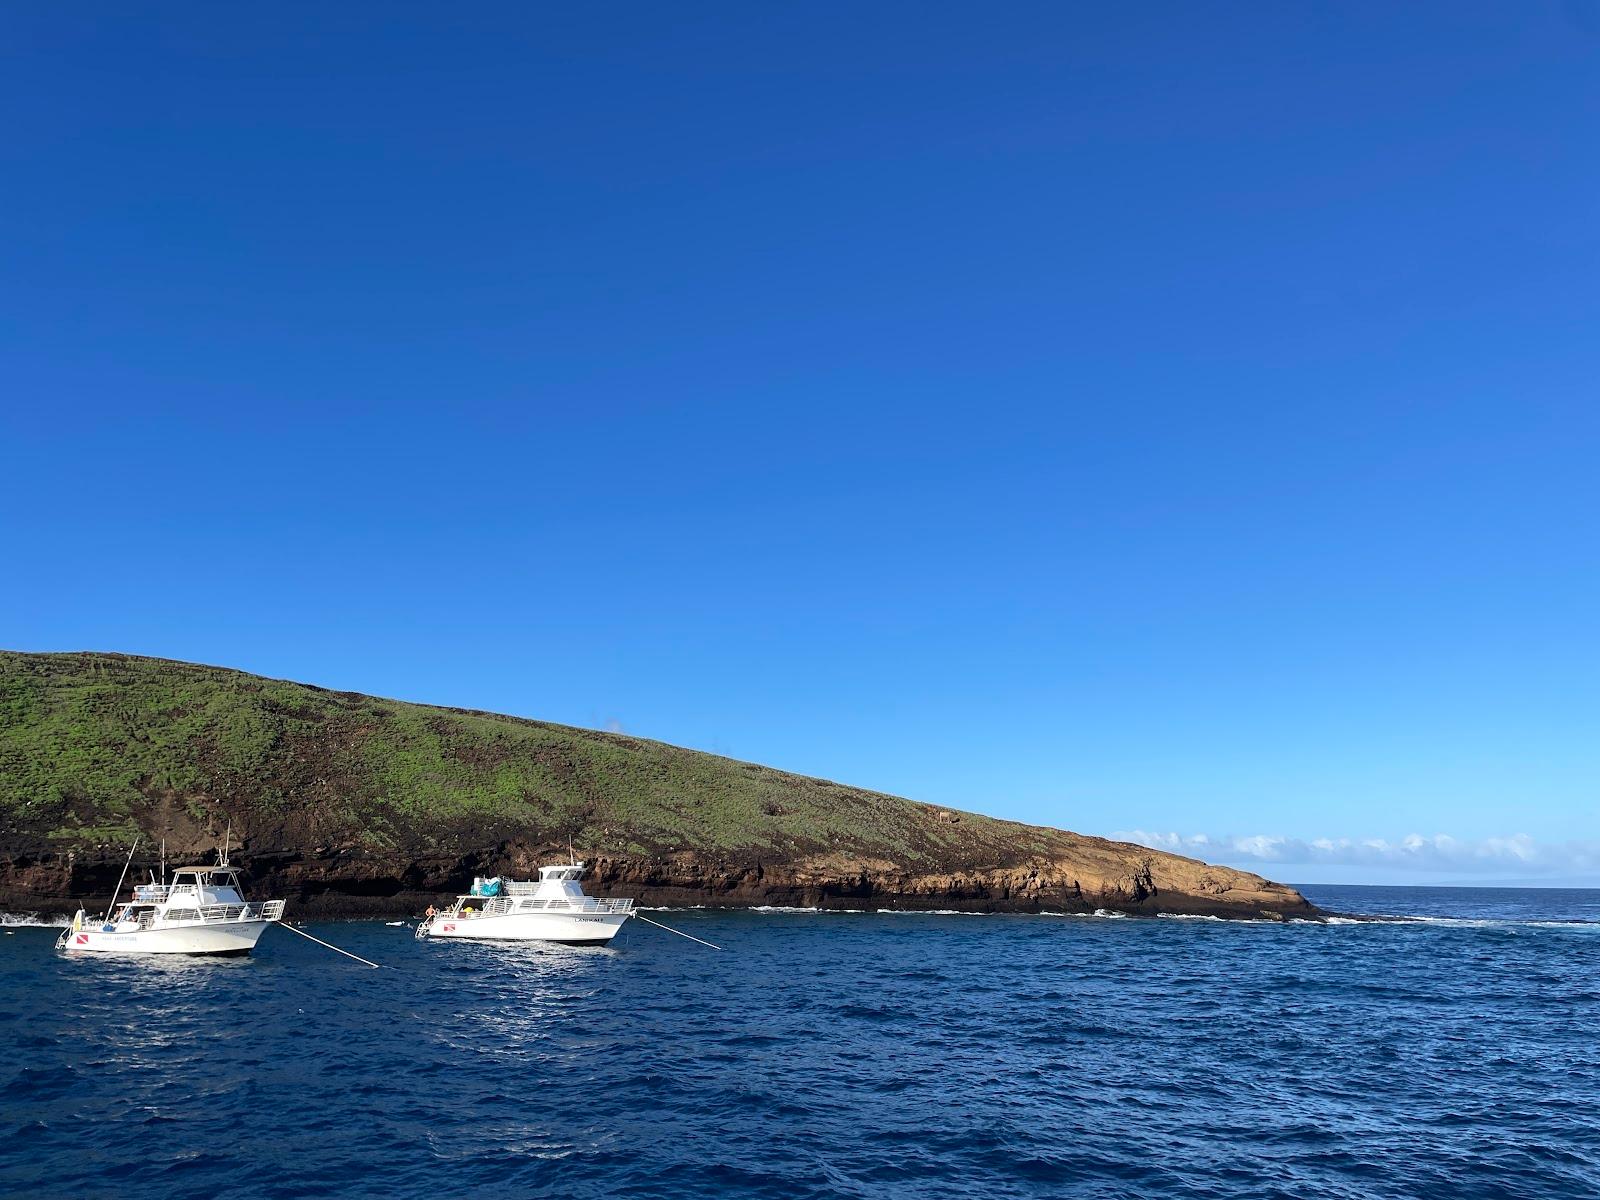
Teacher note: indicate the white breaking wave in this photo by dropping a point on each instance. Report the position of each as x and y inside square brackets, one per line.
[1457, 922]
[806, 911]
[56, 921]
[1495, 923]
[1103, 913]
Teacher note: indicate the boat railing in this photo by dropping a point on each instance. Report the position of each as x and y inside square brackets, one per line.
[267, 910]
[485, 908]
[589, 904]
[502, 906]
[151, 892]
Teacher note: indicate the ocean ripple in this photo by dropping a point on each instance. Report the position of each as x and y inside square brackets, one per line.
[828, 1056]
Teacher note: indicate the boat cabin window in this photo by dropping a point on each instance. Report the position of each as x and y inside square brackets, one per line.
[206, 877]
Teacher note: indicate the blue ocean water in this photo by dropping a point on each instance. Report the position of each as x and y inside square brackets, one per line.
[831, 1055]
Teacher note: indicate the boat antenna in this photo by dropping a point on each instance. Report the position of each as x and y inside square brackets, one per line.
[163, 862]
[571, 857]
[120, 878]
[222, 859]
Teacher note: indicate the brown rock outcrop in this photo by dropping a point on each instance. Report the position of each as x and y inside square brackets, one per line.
[1109, 876]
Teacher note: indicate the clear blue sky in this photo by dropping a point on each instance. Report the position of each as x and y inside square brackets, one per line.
[1166, 417]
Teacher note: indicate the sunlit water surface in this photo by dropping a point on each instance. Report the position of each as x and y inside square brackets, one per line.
[822, 1055]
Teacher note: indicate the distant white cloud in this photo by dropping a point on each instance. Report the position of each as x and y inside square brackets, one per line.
[1517, 855]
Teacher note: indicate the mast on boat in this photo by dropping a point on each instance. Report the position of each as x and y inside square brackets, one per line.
[120, 878]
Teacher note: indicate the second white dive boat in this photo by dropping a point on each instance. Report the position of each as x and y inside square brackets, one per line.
[553, 910]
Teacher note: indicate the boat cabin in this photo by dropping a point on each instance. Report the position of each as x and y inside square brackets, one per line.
[558, 888]
[194, 891]
[558, 881]
[209, 885]
[200, 885]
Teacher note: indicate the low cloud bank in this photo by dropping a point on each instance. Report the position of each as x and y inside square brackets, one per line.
[1516, 855]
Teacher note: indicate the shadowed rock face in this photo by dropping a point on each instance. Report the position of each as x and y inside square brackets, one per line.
[349, 805]
[1116, 878]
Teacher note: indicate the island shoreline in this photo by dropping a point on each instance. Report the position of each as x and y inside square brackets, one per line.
[346, 804]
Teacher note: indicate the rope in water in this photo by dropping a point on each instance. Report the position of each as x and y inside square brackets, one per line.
[670, 929]
[331, 946]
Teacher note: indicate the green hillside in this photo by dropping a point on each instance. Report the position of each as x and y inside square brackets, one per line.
[95, 748]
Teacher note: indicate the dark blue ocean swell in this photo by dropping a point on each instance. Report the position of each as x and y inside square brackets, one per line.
[829, 1055]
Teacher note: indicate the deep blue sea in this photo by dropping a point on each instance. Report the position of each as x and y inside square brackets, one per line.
[830, 1055]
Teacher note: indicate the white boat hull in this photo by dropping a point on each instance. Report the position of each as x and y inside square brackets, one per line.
[214, 937]
[578, 929]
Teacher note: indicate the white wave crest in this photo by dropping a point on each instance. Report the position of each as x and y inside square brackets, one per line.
[1457, 922]
[931, 912]
[19, 920]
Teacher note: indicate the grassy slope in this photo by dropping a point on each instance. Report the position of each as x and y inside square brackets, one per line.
[90, 744]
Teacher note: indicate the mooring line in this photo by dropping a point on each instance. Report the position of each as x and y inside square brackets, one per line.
[670, 929]
[331, 946]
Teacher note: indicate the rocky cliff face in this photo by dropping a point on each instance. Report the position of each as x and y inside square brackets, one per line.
[348, 805]
[1108, 876]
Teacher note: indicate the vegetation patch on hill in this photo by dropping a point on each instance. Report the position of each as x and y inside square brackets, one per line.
[91, 744]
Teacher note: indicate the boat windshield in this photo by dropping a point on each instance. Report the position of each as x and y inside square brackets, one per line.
[213, 877]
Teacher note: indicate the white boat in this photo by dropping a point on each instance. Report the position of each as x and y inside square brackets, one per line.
[554, 909]
[202, 911]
